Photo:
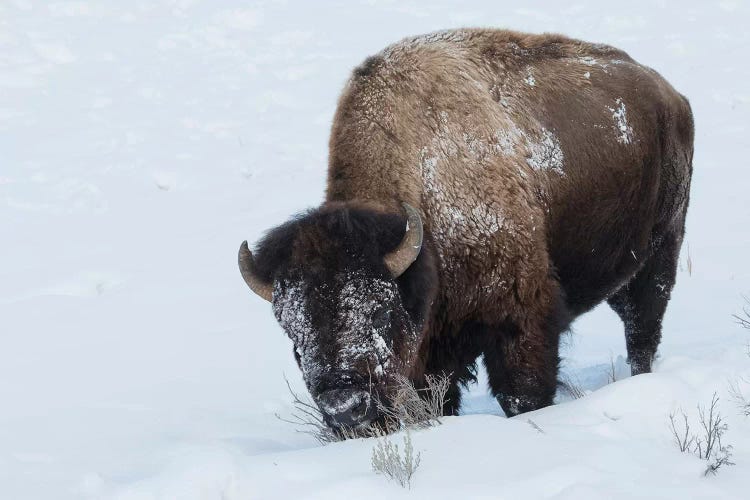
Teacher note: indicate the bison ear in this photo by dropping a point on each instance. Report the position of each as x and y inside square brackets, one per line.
[250, 274]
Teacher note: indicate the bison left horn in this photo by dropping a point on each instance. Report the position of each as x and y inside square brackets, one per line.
[250, 274]
[407, 251]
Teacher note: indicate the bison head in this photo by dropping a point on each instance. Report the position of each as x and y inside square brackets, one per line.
[351, 286]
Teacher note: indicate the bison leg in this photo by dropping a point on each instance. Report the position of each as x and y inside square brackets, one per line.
[642, 301]
[453, 353]
[522, 365]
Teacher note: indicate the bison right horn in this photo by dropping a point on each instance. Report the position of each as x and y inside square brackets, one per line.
[407, 251]
[250, 274]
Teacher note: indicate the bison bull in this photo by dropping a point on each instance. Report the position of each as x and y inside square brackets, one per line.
[485, 187]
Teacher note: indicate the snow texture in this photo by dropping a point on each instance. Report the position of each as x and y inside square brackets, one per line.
[141, 142]
[619, 115]
[546, 154]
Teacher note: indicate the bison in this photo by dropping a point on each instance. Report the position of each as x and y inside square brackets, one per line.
[485, 187]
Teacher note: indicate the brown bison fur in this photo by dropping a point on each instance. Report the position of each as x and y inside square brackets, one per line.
[550, 174]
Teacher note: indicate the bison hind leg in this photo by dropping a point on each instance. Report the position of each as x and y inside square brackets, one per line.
[642, 301]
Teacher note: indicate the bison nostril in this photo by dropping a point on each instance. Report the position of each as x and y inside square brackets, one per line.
[346, 407]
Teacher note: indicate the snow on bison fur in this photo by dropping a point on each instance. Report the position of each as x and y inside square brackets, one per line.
[485, 187]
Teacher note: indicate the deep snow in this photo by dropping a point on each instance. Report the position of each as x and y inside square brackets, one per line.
[141, 142]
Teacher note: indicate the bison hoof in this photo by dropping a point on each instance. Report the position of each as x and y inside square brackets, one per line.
[515, 405]
[640, 363]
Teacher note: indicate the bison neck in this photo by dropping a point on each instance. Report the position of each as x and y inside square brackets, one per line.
[490, 256]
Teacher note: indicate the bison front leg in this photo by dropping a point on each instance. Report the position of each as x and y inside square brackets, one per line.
[522, 364]
[453, 353]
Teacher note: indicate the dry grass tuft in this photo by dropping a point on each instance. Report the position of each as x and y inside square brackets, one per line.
[409, 408]
[706, 444]
[387, 459]
[612, 372]
[571, 387]
[415, 408]
[744, 319]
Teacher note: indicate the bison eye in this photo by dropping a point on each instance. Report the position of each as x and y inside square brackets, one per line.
[381, 318]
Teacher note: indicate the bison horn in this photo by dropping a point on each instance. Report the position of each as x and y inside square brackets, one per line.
[250, 275]
[407, 251]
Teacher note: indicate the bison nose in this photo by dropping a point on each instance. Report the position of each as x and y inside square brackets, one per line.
[347, 407]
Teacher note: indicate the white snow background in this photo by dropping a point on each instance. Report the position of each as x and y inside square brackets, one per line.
[142, 141]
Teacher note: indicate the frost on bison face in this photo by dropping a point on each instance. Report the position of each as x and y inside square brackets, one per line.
[345, 287]
[350, 334]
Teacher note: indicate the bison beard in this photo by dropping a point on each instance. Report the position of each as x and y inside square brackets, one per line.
[549, 175]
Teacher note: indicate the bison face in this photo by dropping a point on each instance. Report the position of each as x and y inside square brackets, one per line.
[351, 333]
[343, 287]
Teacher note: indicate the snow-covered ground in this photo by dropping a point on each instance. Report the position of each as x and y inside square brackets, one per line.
[142, 141]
